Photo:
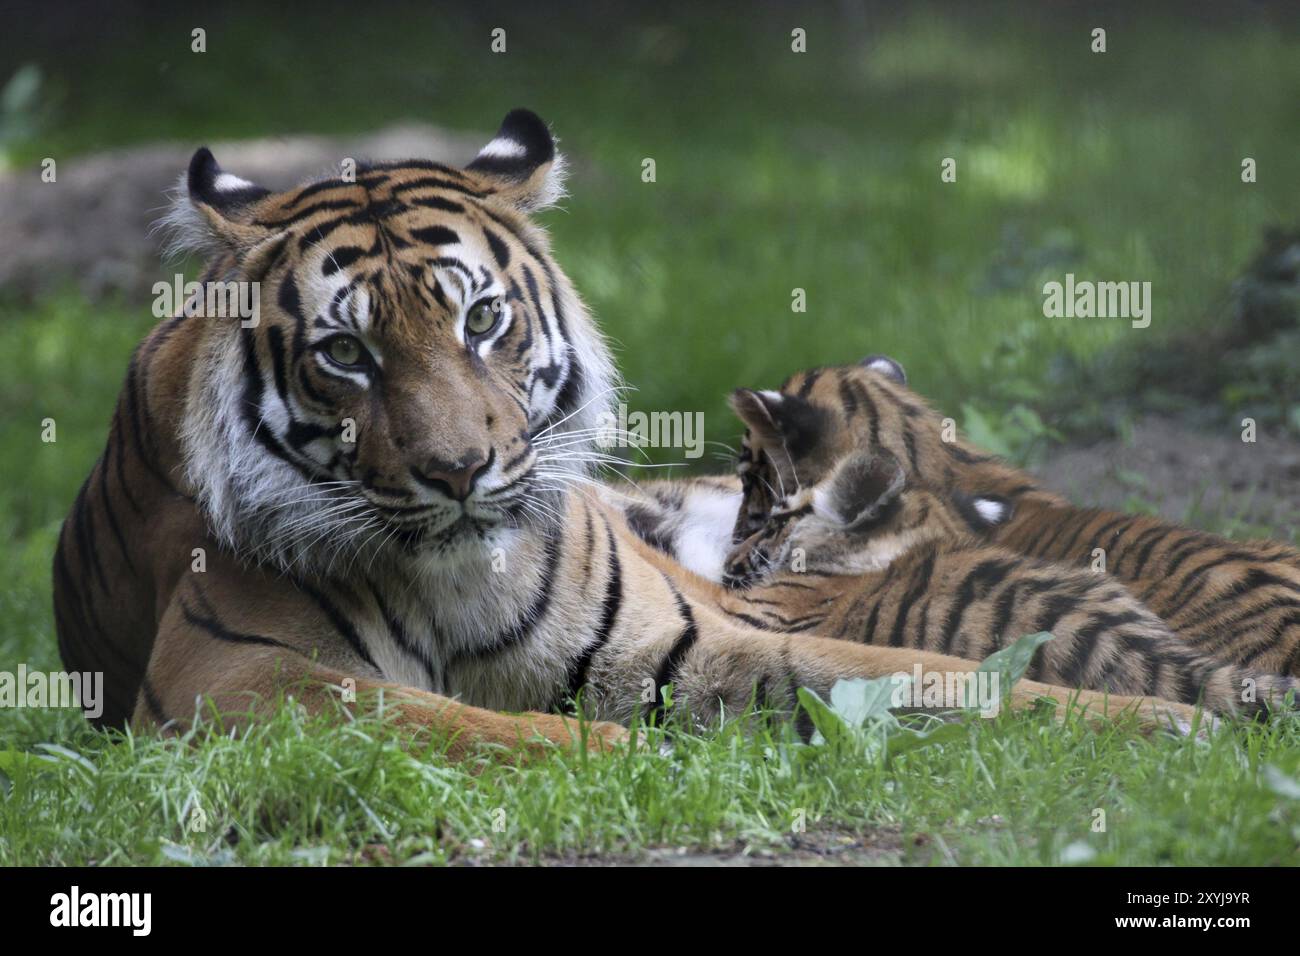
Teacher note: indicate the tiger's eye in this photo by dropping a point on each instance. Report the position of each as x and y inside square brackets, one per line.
[481, 319]
[345, 350]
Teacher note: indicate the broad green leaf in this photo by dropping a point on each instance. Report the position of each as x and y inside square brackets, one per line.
[857, 700]
[830, 726]
[859, 711]
[1012, 661]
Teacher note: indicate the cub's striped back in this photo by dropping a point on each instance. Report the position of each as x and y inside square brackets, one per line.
[851, 551]
[1236, 601]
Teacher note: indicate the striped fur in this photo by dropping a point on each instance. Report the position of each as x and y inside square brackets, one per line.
[1236, 601]
[853, 553]
[385, 484]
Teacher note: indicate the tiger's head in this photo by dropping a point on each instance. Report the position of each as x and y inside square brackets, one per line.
[421, 377]
[816, 478]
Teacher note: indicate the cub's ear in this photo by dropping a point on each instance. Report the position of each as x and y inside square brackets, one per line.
[983, 512]
[521, 163]
[758, 410]
[778, 418]
[862, 488]
[886, 367]
[214, 211]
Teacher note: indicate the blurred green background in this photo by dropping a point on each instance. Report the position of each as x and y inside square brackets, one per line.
[775, 170]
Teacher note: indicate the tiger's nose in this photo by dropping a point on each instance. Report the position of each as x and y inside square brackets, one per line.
[454, 479]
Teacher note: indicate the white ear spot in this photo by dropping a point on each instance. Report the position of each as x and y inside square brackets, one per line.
[774, 398]
[991, 510]
[503, 148]
[886, 367]
[228, 183]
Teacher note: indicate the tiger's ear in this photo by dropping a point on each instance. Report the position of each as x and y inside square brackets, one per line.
[758, 410]
[886, 367]
[522, 164]
[214, 212]
[862, 488]
[777, 419]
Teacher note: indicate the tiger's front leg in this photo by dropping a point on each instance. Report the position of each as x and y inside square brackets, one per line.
[235, 647]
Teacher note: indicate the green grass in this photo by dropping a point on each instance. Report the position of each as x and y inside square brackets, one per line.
[1010, 790]
[775, 171]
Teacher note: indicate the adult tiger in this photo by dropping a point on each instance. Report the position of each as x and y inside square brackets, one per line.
[385, 479]
[1235, 601]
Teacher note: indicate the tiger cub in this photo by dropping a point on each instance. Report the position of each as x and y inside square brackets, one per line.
[847, 549]
[1237, 601]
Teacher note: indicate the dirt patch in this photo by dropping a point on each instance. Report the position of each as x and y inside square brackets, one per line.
[1202, 478]
[878, 846]
[881, 847]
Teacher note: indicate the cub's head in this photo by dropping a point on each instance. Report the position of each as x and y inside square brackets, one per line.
[796, 436]
[816, 478]
[418, 376]
[867, 405]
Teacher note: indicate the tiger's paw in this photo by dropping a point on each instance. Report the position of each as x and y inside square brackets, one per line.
[603, 736]
[1183, 720]
[598, 736]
